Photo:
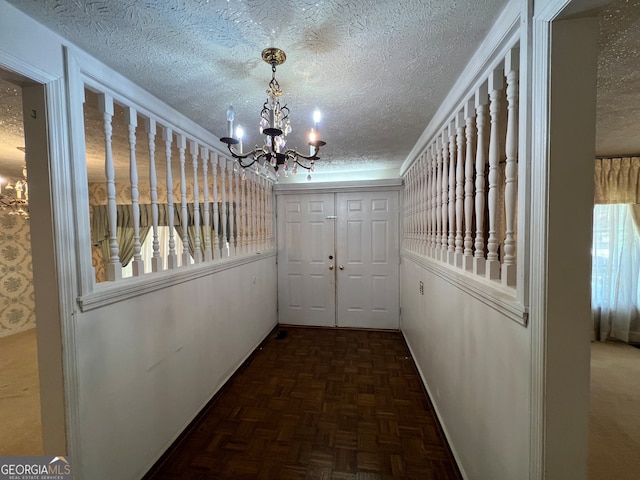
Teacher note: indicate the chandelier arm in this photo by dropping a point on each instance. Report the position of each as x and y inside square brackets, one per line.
[240, 157]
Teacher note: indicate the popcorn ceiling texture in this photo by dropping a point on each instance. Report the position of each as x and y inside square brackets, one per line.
[377, 69]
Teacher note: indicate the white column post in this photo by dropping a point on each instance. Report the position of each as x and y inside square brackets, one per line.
[445, 196]
[131, 117]
[223, 186]
[197, 247]
[460, 124]
[232, 233]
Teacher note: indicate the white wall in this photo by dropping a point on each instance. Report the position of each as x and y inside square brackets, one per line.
[146, 366]
[475, 363]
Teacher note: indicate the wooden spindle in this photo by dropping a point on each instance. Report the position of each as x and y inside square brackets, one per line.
[131, 117]
[469, 114]
[172, 258]
[451, 211]
[216, 210]
[479, 261]
[156, 259]
[232, 232]
[434, 198]
[223, 177]
[496, 83]
[208, 254]
[459, 188]
[184, 220]
[197, 244]
[512, 65]
[114, 267]
[439, 196]
[445, 197]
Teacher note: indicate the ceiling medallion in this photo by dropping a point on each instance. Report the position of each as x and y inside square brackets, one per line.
[274, 125]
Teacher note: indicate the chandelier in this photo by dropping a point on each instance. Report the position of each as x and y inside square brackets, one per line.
[14, 197]
[274, 125]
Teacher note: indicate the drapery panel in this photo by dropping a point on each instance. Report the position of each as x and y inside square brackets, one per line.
[615, 279]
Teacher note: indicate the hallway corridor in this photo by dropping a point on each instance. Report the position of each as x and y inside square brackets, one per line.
[314, 403]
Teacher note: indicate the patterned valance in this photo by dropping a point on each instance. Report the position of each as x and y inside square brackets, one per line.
[617, 180]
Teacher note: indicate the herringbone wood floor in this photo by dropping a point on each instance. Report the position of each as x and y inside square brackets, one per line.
[317, 404]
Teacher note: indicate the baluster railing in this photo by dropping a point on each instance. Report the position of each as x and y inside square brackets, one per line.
[460, 124]
[512, 63]
[114, 267]
[197, 244]
[232, 233]
[216, 211]
[131, 117]
[451, 211]
[445, 197]
[156, 258]
[239, 210]
[172, 258]
[496, 82]
[204, 153]
[184, 220]
[479, 261]
[434, 199]
[223, 178]
[469, 114]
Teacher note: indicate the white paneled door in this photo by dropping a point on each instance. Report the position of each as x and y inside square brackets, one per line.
[338, 259]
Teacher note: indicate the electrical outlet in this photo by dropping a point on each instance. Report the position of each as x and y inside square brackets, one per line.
[421, 288]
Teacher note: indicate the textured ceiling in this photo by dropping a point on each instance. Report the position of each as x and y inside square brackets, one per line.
[377, 69]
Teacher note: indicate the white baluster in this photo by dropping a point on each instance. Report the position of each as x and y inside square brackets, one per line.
[410, 205]
[223, 177]
[197, 244]
[114, 267]
[182, 147]
[172, 258]
[245, 213]
[216, 210]
[439, 197]
[156, 259]
[232, 230]
[512, 64]
[261, 211]
[131, 117]
[434, 198]
[270, 215]
[459, 187]
[479, 262]
[451, 212]
[496, 83]
[469, 114]
[252, 209]
[239, 210]
[424, 202]
[445, 197]
[204, 153]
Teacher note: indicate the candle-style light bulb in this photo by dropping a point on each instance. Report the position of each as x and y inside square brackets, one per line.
[230, 117]
[317, 116]
[312, 139]
[239, 135]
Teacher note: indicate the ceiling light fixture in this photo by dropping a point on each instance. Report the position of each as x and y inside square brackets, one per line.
[15, 196]
[275, 125]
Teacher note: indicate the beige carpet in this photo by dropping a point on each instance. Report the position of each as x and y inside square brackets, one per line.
[21, 431]
[614, 438]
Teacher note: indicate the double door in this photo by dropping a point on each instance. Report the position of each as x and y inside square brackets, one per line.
[338, 259]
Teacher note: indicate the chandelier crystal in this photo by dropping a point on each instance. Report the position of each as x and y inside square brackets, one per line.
[14, 196]
[275, 126]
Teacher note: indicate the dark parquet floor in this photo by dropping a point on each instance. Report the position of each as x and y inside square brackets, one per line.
[335, 404]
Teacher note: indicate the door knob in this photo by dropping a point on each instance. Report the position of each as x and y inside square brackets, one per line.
[330, 267]
[341, 267]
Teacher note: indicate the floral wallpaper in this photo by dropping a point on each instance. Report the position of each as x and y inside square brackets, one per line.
[17, 306]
